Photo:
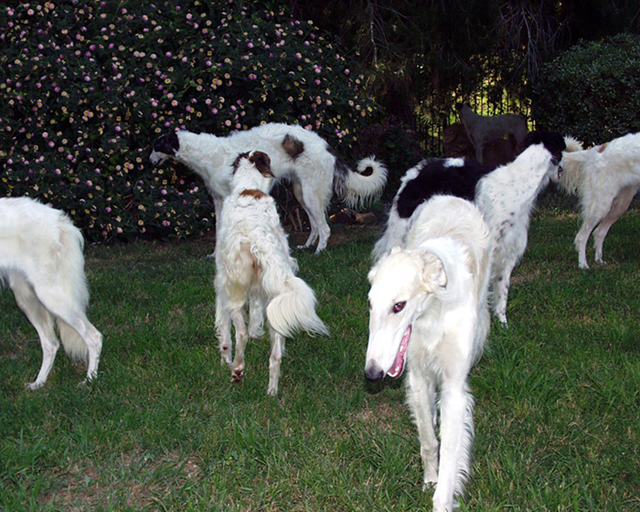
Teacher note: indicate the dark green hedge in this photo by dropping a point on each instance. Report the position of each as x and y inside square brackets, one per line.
[591, 91]
[87, 88]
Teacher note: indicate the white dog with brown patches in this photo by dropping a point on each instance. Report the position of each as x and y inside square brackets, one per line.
[41, 261]
[428, 308]
[254, 267]
[295, 153]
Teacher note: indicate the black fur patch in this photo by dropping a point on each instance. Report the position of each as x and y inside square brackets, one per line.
[434, 178]
[340, 167]
[367, 171]
[553, 142]
[292, 146]
[167, 144]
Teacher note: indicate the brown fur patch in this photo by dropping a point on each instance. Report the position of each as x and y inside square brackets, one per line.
[603, 147]
[292, 146]
[252, 192]
[262, 162]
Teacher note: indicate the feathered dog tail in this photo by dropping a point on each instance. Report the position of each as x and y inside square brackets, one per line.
[362, 186]
[295, 309]
[72, 242]
[293, 302]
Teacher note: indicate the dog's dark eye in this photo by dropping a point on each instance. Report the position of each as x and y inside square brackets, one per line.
[399, 306]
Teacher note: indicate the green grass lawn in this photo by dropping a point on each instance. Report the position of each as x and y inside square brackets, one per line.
[164, 428]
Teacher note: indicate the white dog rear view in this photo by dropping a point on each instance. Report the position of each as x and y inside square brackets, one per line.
[428, 307]
[606, 179]
[254, 267]
[41, 261]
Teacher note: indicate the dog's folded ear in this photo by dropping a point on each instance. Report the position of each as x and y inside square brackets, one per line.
[262, 162]
[433, 274]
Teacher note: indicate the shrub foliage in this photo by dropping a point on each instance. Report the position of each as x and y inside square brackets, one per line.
[591, 91]
[88, 87]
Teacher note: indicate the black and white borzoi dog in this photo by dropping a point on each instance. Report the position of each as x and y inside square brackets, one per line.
[296, 154]
[606, 179]
[505, 195]
[41, 261]
[428, 310]
[254, 267]
[450, 176]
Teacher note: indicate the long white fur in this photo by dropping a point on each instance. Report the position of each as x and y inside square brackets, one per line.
[506, 198]
[41, 261]
[253, 264]
[314, 172]
[605, 178]
[437, 286]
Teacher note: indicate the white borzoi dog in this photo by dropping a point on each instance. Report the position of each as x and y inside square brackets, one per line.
[428, 307]
[506, 198]
[41, 261]
[296, 154]
[505, 195]
[253, 265]
[605, 178]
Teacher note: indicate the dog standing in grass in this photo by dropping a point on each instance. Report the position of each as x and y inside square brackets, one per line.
[428, 308]
[41, 261]
[254, 266]
[296, 154]
[505, 195]
[606, 179]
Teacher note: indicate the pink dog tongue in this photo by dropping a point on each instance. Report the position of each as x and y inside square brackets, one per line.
[398, 364]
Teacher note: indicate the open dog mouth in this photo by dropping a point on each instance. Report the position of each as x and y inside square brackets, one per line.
[398, 364]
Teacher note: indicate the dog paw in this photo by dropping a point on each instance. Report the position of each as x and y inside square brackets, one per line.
[237, 374]
[32, 386]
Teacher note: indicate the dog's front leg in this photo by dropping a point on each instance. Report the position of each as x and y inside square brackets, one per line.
[456, 436]
[421, 394]
[277, 351]
[582, 238]
[43, 322]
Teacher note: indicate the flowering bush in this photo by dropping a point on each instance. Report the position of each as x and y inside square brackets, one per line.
[87, 88]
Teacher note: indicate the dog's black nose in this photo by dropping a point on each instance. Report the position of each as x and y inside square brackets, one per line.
[373, 372]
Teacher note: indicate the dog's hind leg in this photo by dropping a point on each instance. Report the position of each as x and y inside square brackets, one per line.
[275, 359]
[223, 329]
[421, 396]
[618, 208]
[256, 312]
[41, 319]
[237, 369]
[310, 201]
[456, 435]
[500, 290]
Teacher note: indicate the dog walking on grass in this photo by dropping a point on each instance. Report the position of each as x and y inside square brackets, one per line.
[41, 261]
[429, 312]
